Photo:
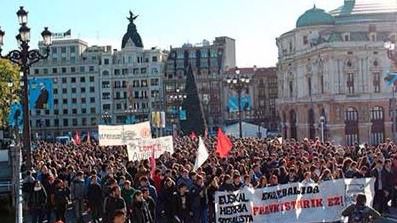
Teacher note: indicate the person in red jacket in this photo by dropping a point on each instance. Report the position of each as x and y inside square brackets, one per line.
[157, 179]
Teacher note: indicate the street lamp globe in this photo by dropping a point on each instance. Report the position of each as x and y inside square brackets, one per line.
[1, 37]
[46, 34]
[22, 15]
[24, 32]
[322, 119]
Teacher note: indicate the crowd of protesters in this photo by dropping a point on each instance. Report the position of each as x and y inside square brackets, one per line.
[102, 182]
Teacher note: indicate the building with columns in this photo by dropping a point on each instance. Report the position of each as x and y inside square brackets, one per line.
[332, 65]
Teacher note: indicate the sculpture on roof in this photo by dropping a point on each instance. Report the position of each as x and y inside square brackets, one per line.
[132, 33]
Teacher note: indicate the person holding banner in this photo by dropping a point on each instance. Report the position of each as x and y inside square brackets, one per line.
[359, 212]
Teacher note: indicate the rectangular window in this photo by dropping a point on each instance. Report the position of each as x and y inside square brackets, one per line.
[73, 69]
[135, 71]
[63, 70]
[74, 100]
[305, 41]
[106, 95]
[116, 71]
[376, 82]
[74, 122]
[74, 111]
[82, 79]
[82, 90]
[93, 121]
[105, 84]
[73, 80]
[54, 50]
[56, 112]
[350, 83]
[106, 107]
[92, 89]
[291, 89]
[54, 70]
[47, 112]
[154, 82]
[83, 110]
[74, 90]
[106, 61]
[92, 100]
[91, 69]
[65, 111]
[322, 84]
[83, 100]
[63, 49]
[56, 122]
[92, 110]
[64, 90]
[55, 90]
[143, 70]
[144, 83]
[84, 121]
[154, 59]
[72, 49]
[65, 122]
[118, 106]
[64, 80]
[55, 101]
[92, 78]
[36, 71]
[82, 69]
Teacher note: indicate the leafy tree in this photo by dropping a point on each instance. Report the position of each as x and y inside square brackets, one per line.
[195, 121]
[9, 88]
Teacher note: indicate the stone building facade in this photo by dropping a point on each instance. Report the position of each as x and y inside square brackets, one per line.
[333, 64]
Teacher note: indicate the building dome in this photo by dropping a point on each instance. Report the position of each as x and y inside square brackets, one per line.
[314, 17]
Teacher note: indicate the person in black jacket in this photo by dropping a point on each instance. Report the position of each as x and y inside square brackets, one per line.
[387, 177]
[113, 203]
[61, 200]
[150, 202]
[165, 199]
[182, 205]
[140, 209]
[37, 202]
[379, 197]
[95, 199]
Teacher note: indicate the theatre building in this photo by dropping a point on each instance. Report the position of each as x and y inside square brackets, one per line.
[332, 65]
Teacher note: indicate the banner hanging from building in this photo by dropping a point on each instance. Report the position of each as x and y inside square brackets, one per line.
[40, 93]
[15, 117]
[116, 135]
[246, 103]
[292, 203]
[142, 149]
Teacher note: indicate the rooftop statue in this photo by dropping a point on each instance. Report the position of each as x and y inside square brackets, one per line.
[132, 33]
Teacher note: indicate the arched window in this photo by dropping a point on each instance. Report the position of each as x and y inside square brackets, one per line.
[351, 126]
[105, 72]
[378, 125]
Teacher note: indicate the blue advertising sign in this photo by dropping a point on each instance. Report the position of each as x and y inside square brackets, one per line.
[40, 93]
[15, 117]
[246, 103]
[130, 119]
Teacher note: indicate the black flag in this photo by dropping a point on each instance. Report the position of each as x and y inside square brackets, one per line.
[68, 33]
[195, 121]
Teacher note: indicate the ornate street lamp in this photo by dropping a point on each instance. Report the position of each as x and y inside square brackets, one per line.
[25, 58]
[130, 112]
[107, 118]
[238, 83]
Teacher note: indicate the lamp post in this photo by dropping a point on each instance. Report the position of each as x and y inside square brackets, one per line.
[130, 114]
[322, 121]
[390, 47]
[25, 58]
[107, 118]
[178, 97]
[238, 83]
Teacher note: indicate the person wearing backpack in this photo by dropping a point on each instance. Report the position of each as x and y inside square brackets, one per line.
[359, 212]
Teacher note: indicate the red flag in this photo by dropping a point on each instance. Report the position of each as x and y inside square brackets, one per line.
[152, 161]
[88, 137]
[76, 139]
[223, 144]
[193, 136]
